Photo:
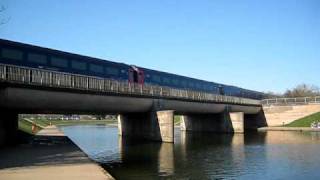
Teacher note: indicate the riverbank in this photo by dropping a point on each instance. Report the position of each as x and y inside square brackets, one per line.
[288, 129]
[25, 125]
[50, 156]
[305, 121]
[302, 124]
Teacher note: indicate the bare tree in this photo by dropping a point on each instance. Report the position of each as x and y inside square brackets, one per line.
[302, 90]
[270, 95]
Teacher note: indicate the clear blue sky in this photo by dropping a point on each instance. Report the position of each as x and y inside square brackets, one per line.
[261, 45]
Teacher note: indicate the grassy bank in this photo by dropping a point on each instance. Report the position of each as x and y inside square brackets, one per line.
[306, 121]
[177, 120]
[25, 125]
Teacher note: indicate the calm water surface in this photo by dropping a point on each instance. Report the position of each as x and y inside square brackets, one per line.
[271, 155]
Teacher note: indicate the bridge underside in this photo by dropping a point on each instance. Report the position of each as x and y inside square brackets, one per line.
[159, 125]
[143, 117]
[48, 101]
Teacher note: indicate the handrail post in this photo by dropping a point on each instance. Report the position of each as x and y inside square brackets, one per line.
[285, 100]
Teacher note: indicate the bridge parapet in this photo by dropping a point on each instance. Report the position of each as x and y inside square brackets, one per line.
[55, 79]
[291, 101]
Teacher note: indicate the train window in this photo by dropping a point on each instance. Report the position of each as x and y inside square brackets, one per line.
[184, 83]
[112, 71]
[59, 62]
[12, 54]
[37, 58]
[78, 65]
[156, 78]
[96, 68]
[175, 82]
[204, 87]
[166, 80]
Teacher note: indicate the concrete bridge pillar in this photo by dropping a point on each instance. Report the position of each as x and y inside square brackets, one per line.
[8, 128]
[232, 122]
[236, 120]
[155, 125]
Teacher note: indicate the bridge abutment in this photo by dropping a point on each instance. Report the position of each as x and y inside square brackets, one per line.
[155, 125]
[230, 122]
[8, 128]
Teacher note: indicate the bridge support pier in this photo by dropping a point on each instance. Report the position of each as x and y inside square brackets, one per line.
[8, 128]
[230, 122]
[236, 120]
[155, 125]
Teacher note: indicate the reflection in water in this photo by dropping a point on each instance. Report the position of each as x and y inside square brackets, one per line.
[267, 155]
[166, 159]
[148, 158]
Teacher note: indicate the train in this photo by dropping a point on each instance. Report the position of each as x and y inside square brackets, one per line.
[21, 54]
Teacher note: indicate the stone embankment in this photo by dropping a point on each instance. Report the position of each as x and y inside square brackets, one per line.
[280, 115]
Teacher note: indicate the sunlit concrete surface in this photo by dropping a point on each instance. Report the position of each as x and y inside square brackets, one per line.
[289, 129]
[48, 160]
[62, 172]
[280, 115]
[50, 131]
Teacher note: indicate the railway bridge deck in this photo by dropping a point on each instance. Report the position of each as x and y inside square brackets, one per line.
[144, 110]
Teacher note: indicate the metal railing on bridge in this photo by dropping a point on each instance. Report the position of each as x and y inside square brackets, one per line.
[291, 101]
[41, 77]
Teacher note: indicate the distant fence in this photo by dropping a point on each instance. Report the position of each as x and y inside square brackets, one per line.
[292, 101]
[55, 79]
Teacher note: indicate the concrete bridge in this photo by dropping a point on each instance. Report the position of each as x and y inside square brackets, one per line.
[144, 111]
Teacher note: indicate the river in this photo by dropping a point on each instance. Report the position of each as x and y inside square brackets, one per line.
[263, 155]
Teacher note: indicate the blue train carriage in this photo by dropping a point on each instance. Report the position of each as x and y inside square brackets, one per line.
[176, 81]
[37, 57]
[245, 93]
[43, 58]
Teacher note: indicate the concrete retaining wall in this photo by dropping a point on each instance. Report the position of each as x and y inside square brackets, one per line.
[279, 115]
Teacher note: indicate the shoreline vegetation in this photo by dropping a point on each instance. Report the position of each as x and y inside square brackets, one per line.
[25, 124]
